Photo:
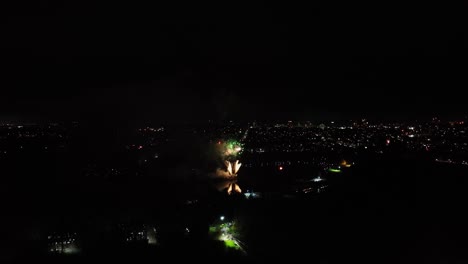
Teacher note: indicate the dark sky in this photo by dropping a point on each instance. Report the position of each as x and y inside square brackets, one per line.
[196, 60]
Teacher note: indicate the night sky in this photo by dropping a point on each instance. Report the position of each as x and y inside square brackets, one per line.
[232, 60]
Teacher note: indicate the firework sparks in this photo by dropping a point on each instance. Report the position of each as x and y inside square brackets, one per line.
[237, 166]
[232, 149]
[232, 167]
[229, 151]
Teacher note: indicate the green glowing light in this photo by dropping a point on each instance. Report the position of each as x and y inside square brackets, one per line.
[231, 244]
[334, 170]
[213, 229]
[227, 233]
[233, 147]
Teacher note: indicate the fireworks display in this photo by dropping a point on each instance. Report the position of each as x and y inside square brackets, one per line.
[233, 187]
[232, 167]
[232, 149]
[229, 152]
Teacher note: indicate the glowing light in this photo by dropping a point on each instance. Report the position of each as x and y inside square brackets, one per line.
[232, 148]
[231, 244]
[221, 218]
[229, 167]
[237, 188]
[232, 168]
[318, 179]
[280, 168]
[237, 166]
[334, 170]
[233, 187]
[344, 163]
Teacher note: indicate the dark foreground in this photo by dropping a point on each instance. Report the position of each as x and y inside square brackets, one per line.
[383, 210]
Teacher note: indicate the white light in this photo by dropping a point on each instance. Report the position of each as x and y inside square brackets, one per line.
[221, 218]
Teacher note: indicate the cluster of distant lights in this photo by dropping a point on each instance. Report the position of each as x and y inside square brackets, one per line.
[404, 133]
[338, 169]
[63, 244]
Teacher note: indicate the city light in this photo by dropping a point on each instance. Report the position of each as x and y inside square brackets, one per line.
[318, 179]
